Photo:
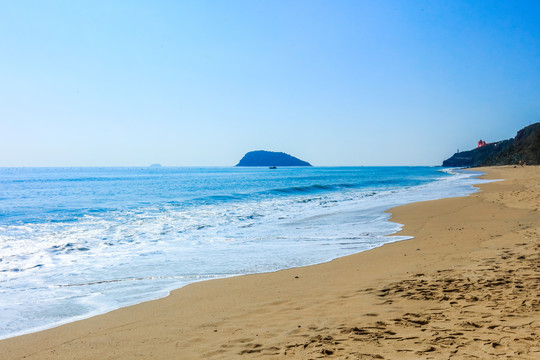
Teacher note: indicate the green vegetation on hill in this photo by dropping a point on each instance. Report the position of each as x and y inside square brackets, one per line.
[524, 148]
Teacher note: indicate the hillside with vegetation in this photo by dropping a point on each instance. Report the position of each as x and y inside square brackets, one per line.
[522, 149]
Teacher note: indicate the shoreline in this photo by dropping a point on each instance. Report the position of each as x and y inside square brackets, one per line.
[384, 231]
[350, 305]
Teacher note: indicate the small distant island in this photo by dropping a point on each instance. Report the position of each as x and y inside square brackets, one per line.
[156, 166]
[524, 149]
[271, 159]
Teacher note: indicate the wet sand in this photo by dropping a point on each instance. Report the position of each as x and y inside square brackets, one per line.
[466, 287]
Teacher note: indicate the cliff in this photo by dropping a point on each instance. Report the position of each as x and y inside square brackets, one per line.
[270, 158]
[524, 148]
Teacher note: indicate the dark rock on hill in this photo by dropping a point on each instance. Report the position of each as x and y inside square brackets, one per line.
[270, 158]
[524, 148]
[478, 156]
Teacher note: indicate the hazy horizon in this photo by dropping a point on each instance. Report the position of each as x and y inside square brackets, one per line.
[201, 83]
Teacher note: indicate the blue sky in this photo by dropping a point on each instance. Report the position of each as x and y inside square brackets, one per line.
[188, 83]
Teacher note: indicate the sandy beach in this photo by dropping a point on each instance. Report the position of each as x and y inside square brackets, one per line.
[467, 286]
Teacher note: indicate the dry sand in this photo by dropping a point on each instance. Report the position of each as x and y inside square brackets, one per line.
[467, 286]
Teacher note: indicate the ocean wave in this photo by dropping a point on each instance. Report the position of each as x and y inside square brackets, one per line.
[314, 188]
[69, 180]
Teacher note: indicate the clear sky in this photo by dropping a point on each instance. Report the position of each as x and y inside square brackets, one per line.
[187, 83]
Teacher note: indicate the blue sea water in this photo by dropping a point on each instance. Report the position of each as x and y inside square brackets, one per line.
[76, 242]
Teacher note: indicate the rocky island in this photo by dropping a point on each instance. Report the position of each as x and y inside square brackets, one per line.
[270, 158]
[523, 149]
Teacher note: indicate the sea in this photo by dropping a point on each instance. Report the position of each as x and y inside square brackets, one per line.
[77, 242]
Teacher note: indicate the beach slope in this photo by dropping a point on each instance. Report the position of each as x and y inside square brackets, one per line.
[467, 286]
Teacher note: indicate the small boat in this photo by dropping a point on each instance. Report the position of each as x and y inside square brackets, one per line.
[272, 167]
